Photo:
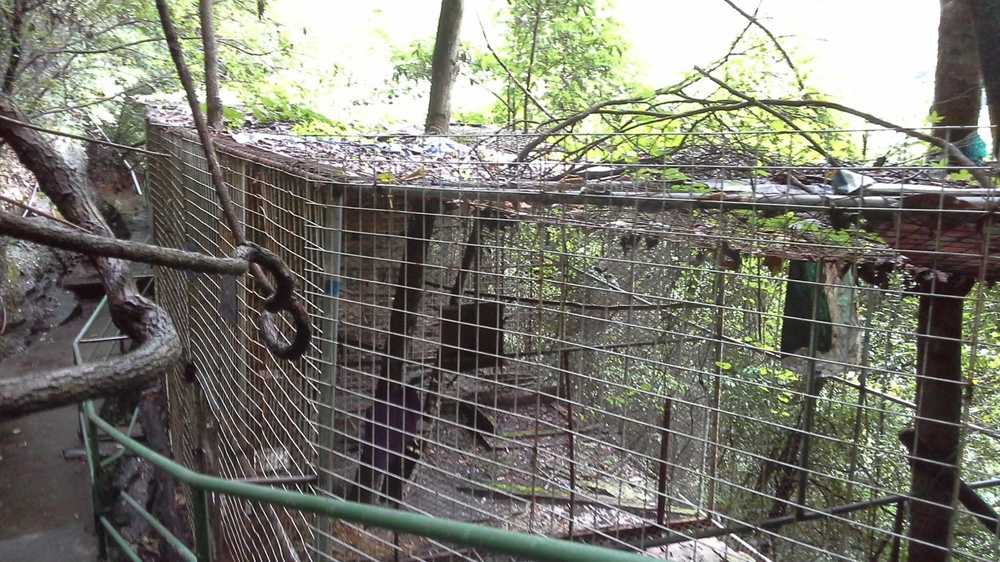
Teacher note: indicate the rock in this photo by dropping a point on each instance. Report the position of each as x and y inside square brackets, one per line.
[114, 219]
[33, 302]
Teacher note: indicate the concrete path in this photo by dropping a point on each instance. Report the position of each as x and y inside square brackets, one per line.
[45, 508]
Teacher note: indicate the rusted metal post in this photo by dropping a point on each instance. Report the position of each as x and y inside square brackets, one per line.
[939, 411]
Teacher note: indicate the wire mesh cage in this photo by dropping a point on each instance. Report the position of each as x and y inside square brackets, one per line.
[712, 354]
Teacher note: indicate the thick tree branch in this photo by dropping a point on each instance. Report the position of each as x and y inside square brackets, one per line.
[133, 314]
[291, 304]
[49, 389]
[60, 237]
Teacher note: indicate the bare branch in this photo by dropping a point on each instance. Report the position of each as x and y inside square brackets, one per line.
[80, 137]
[96, 101]
[569, 122]
[950, 150]
[290, 303]
[114, 48]
[784, 118]
[752, 18]
[510, 75]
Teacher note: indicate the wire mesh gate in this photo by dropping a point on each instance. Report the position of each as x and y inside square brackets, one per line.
[603, 363]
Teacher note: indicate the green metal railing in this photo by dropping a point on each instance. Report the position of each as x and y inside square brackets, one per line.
[521, 545]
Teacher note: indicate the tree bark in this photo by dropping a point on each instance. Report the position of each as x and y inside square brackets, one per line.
[956, 79]
[443, 66]
[16, 24]
[939, 415]
[986, 14]
[213, 101]
[141, 319]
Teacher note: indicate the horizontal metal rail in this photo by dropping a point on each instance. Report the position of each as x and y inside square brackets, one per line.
[522, 545]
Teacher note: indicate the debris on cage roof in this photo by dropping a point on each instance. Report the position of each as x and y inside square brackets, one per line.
[872, 215]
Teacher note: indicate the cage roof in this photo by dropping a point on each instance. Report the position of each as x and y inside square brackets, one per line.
[792, 213]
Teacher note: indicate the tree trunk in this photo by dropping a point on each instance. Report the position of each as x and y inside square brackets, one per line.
[16, 23]
[937, 433]
[956, 80]
[213, 102]
[443, 67]
[164, 493]
[986, 14]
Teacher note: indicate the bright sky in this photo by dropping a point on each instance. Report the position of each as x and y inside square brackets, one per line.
[875, 55]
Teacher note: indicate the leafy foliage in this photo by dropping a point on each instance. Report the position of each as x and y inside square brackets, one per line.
[86, 63]
[556, 58]
[564, 54]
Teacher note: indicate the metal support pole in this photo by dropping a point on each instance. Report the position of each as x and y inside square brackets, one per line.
[331, 245]
[202, 534]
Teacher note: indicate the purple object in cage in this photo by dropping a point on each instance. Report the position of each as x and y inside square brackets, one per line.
[390, 427]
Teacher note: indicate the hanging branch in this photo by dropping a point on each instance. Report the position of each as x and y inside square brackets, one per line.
[300, 318]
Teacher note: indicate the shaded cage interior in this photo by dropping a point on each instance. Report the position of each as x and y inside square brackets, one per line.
[548, 358]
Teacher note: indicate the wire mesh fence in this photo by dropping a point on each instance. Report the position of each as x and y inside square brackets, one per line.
[638, 356]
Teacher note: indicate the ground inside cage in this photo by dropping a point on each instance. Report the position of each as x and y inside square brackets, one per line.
[539, 472]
